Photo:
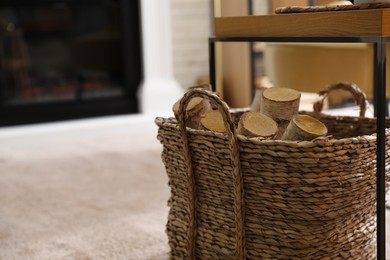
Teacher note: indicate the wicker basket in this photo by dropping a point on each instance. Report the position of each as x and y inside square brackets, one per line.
[234, 197]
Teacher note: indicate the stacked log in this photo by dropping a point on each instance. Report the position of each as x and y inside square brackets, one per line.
[256, 124]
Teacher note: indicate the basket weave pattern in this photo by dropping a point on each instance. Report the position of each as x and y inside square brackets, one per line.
[297, 200]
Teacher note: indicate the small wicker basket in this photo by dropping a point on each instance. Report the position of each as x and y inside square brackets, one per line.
[234, 197]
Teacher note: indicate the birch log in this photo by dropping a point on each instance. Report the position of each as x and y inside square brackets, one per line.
[195, 108]
[281, 104]
[304, 127]
[261, 84]
[256, 102]
[201, 86]
[212, 121]
[256, 124]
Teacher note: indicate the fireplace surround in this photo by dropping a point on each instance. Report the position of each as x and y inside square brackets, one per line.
[68, 59]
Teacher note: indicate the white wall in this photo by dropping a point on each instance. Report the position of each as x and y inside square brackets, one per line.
[175, 48]
[159, 90]
[191, 27]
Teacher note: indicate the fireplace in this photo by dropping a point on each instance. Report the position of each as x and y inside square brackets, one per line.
[67, 59]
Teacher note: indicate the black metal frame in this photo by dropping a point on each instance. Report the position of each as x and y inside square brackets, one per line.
[380, 106]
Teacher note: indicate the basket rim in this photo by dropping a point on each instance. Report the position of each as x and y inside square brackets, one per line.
[321, 141]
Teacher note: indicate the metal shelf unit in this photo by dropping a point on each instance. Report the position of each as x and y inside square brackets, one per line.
[363, 26]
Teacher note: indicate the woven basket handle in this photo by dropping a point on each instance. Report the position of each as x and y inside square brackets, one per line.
[359, 96]
[236, 172]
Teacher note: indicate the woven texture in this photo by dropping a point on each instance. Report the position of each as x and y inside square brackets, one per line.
[234, 197]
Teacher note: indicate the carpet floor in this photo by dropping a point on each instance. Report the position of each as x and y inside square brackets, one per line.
[95, 192]
[95, 189]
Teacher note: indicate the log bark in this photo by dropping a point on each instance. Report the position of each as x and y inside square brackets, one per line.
[304, 127]
[261, 84]
[195, 108]
[212, 121]
[256, 124]
[256, 102]
[281, 104]
[204, 86]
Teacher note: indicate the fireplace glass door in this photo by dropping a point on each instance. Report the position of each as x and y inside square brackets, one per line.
[55, 53]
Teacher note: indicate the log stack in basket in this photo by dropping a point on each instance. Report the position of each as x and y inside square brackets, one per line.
[270, 184]
[275, 117]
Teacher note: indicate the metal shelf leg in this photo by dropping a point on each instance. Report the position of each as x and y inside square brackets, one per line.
[212, 65]
[380, 112]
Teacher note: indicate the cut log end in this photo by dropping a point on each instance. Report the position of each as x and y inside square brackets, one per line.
[304, 127]
[281, 94]
[256, 124]
[213, 121]
[195, 108]
[191, 105]
[310, 125]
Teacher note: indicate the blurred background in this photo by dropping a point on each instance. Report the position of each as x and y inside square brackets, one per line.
[81, 82]
[64, 59]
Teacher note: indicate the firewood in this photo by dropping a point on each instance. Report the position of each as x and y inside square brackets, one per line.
[281, 104]
[304, 127]
[261, 84]
[256, 102]
[195, 108]
[256, 124]
[212, 121]
[204, 86]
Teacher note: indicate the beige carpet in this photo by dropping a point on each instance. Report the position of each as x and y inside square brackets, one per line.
[93, 189]
[96, 191]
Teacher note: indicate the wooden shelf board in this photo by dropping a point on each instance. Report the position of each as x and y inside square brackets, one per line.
[374, 22]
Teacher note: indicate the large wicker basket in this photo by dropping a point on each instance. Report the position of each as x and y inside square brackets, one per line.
[234, 197]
